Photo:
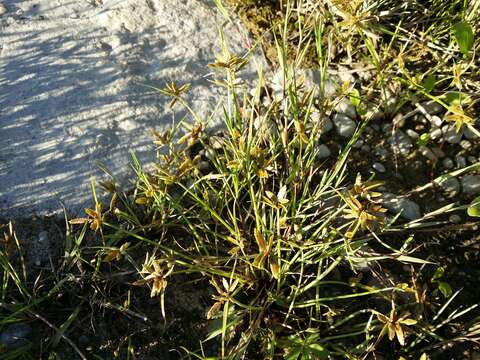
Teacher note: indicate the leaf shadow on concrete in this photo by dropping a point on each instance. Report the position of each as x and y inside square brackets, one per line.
[72, 95]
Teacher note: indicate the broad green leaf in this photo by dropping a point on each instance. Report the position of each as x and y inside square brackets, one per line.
[429, 83]
[438, 273]
[474, 208]
[464, 36]
[455, 98]
[445, 289]
[355, 98]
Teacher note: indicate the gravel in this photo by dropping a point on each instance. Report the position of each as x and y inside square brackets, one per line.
[15, 336]
[436, 134]
[400, 142]
[346, 107]
[448, 163]
[407, 209]
[451, 135]
[344, 125]
[465, 144]
[379, 167]
[323, 151]
[450, 186]
[469, 134]
[471, 184]
[461, 161]
[436, 121]
[412, 134]
[429, 154]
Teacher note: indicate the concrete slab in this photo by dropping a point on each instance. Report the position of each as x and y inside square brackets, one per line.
[71, 93]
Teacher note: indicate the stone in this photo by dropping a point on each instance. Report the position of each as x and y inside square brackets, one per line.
[346, 107]
[400, 142]
[456, 219]
[327, 125]
[15, 336]
[472, 159]
[42, 236]
[471, 184]
[451, 135]
[438, 152]
[407, 209]
[323, 151]
[450, 186]
[436, 121]
[461, 161]
[436, 134]
[412, 134]
[432, 107]
[358, 144]
[448, 163]
[379, 167]
[387, 128]
[399, 120]
[365, 148]
[465, 144]
[381, 152]
[344, 125]
[429, 154]
[469, 134]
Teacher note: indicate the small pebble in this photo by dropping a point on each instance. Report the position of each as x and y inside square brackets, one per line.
[436, 121]
[387, 128]
[358, 144]
[379, 167]
[15, 336]
[451, 135]
[461, 161]
[407, 208]
[346, 107]
[455, 219]
[42, 236]
[471, 184]
[376, 127]
[469, 134]
[432, 107]
[327, 125]
[472, 159]
[425, 151]
[3, 9]
[381, 152]
[419, 127]
[323, 151]
[400, 142]
[448, 163]
[465, 144]
[345, 126]
[365, 148]
[436, 134]
[412, 133]
[438, 152]
[450, 186]
[399, 121]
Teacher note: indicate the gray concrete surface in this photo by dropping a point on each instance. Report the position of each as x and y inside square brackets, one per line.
[71, 93]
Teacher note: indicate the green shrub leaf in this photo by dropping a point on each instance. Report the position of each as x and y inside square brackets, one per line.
[464, 36]
[445, 289]
[474, 208]
[429, 83]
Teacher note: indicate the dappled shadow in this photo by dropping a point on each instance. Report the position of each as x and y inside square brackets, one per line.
[72, 95]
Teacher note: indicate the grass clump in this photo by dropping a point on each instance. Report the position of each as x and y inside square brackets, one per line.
[271, 250]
